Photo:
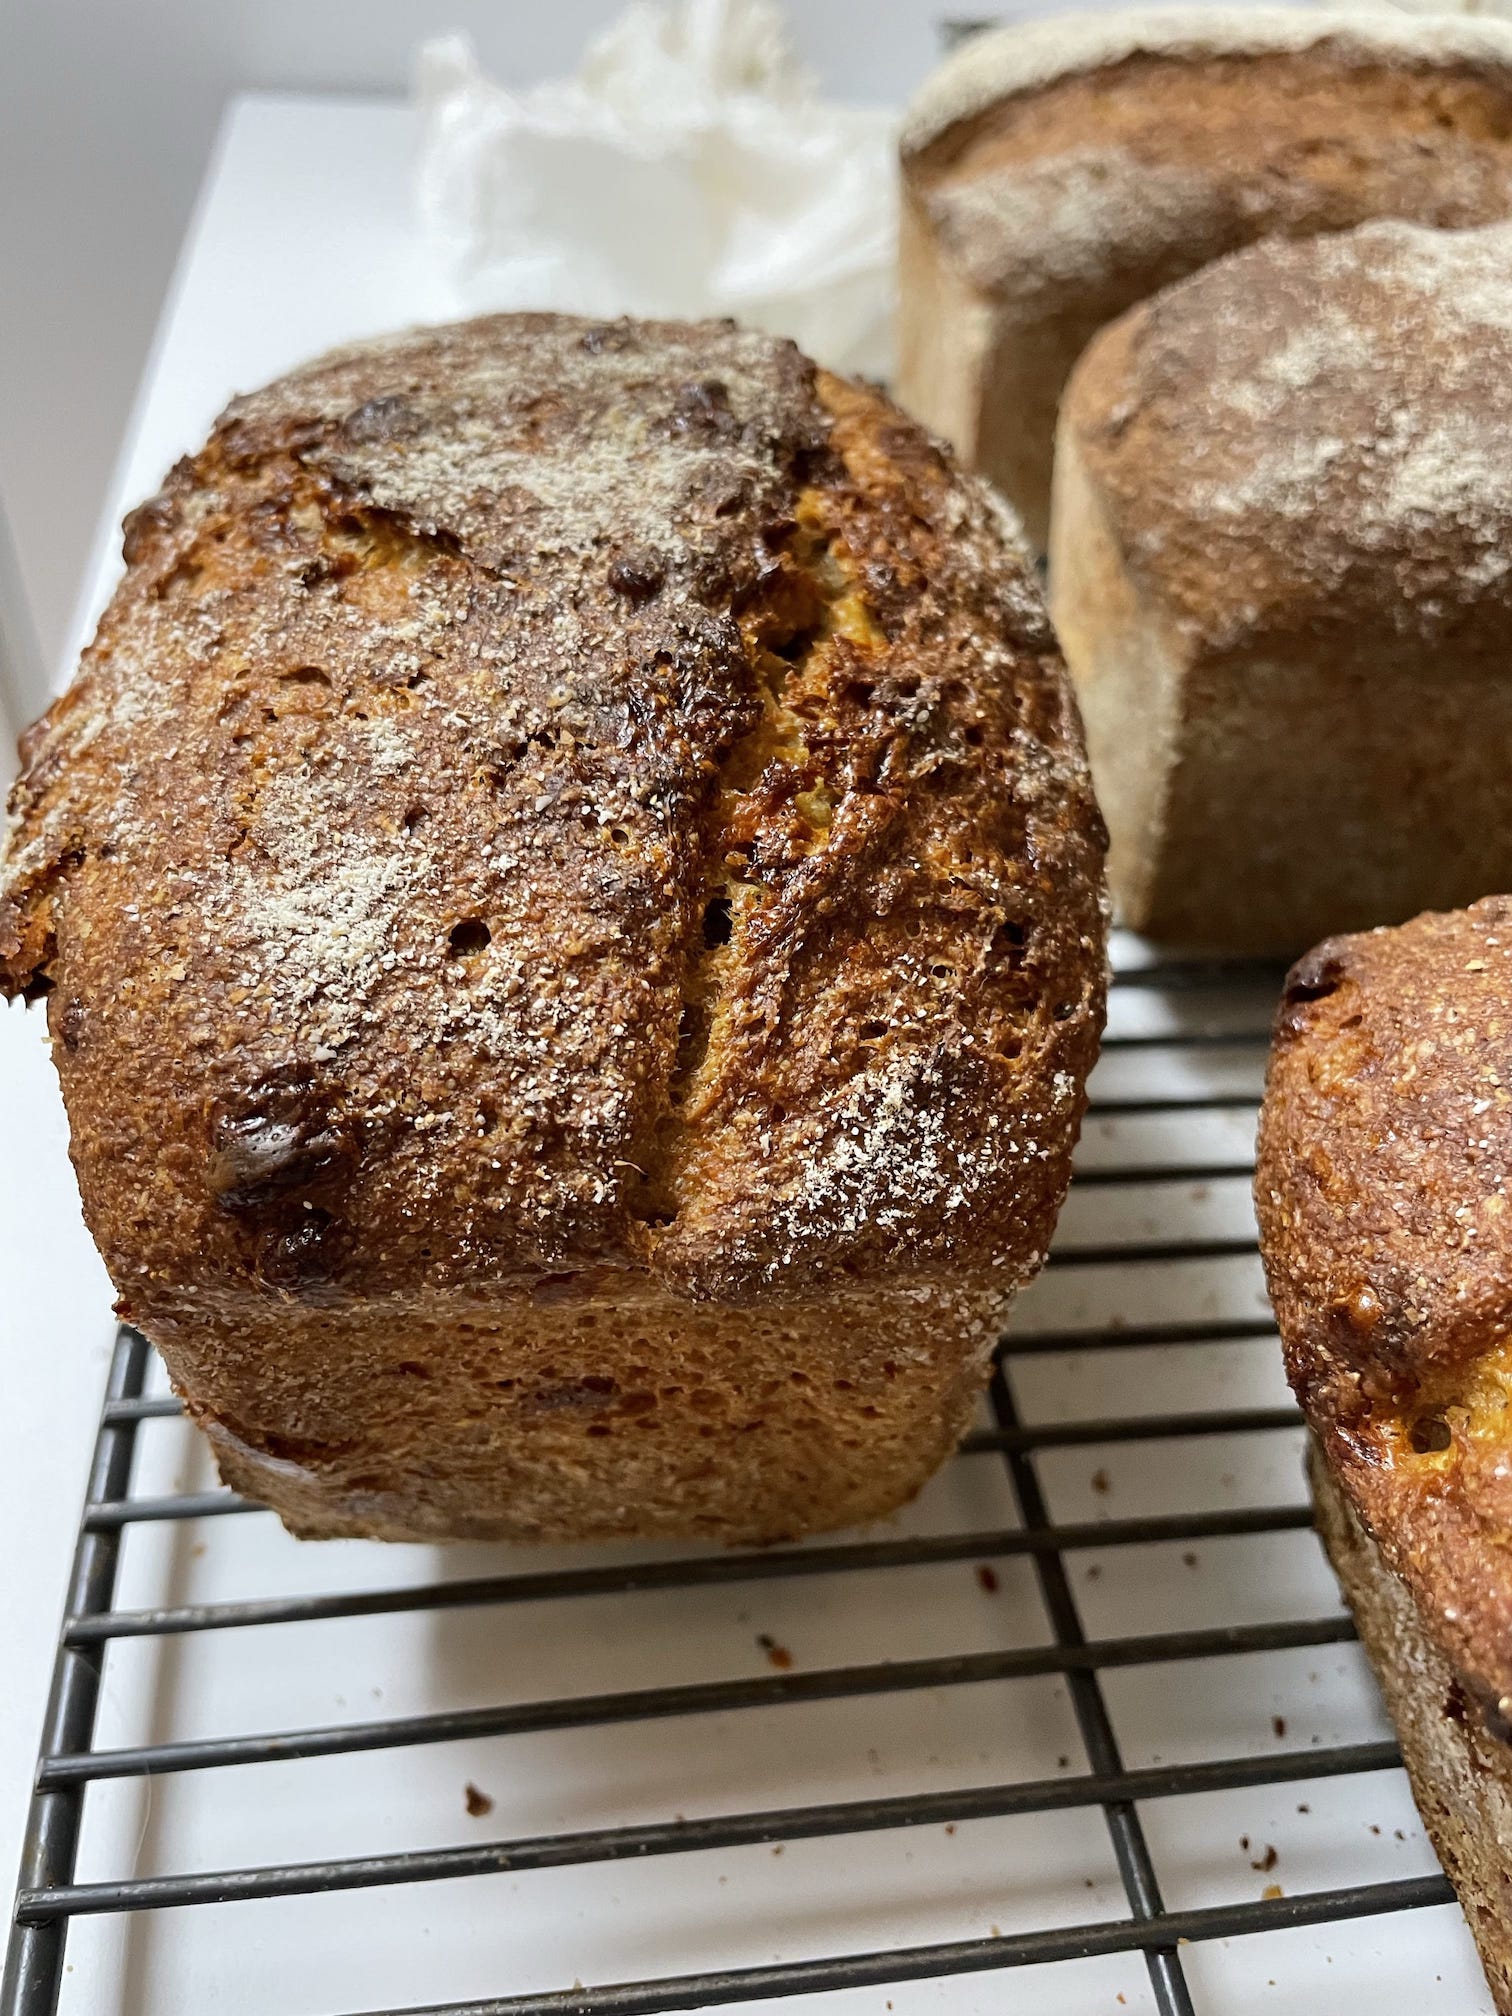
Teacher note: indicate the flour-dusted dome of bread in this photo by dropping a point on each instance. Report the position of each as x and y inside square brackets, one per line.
[1056, 172]
[1281, 569]
[1386, 1225]
[1314, 434]
[566, 815]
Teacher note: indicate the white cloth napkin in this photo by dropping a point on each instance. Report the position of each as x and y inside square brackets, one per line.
[689, 168]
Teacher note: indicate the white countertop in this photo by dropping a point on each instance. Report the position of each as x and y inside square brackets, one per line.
[303, 239]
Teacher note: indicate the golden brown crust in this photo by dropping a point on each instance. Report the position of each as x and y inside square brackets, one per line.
[1385, 1147]
[1058, 173]
[554, 799]
[576, 1415]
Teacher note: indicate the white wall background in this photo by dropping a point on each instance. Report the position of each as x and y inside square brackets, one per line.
[107, 112]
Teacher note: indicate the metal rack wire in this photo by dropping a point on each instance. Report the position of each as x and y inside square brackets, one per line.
[51, 1899]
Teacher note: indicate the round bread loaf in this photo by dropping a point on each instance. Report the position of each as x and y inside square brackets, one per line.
[1281, 569]
[569, 898]
[1056, 172]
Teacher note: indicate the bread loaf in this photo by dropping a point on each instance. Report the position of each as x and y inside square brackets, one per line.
[1381, 1188]
[1281, 569]
[569, 903]
[1057, 172]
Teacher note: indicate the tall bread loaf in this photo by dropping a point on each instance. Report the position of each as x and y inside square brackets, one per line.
[1281, 569]
[1057, 172]
[569, 902]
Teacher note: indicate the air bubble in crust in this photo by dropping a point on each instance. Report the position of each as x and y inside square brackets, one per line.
[1430, 1435]
[469, 938]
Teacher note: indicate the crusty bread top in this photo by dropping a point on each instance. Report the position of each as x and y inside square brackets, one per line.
[1386, 1225]
[1068, 168]
[1315, 435]
[550, 797]
[1026, 56]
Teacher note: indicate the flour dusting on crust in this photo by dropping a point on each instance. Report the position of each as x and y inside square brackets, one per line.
[552, 796]
[1332, 410]
[1030, 55]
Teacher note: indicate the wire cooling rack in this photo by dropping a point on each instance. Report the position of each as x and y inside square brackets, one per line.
[1084, 1729]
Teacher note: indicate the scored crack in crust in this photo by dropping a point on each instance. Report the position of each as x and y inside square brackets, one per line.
[561, 813]
[1381, 1187]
